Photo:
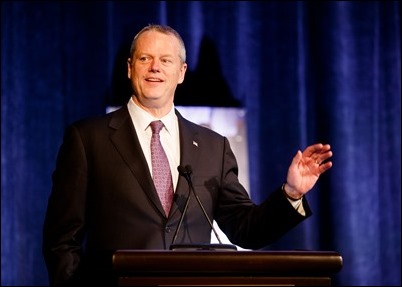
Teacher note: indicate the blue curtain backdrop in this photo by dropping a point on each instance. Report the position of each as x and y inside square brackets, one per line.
[304, 71]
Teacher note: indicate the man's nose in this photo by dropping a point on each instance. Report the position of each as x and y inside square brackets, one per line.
[154, 67]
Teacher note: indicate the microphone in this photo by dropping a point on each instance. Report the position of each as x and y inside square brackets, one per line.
[186, 173]
[183, 172]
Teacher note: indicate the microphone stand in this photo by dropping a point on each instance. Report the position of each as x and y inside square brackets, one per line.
[183, 213]
[186, 172]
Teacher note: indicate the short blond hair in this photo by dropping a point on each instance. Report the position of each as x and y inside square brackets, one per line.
[164, 29]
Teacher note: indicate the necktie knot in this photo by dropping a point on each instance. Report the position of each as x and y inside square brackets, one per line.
[156, 126]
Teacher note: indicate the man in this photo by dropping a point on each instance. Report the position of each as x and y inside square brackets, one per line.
[103, 195]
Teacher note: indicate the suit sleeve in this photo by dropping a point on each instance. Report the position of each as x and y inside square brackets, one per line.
[247, 224]
[64, 220]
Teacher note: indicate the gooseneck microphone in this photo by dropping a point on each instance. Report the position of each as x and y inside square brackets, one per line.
[186, 173]
[183, 172]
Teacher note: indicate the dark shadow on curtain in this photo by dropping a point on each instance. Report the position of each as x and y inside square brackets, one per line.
[120, 89]
[206, 86]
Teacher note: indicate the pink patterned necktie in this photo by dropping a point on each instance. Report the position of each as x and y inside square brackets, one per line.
[160, 168]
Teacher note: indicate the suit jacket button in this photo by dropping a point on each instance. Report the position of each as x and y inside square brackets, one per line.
[168, 229]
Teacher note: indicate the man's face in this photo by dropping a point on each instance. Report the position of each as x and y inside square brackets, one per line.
[155, 69]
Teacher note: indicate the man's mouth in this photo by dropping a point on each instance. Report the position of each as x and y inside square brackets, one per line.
[153, 80]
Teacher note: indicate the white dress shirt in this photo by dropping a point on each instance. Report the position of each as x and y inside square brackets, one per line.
[169, 136]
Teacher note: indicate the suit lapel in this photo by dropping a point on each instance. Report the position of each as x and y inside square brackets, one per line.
[189, 154]
[126, 142]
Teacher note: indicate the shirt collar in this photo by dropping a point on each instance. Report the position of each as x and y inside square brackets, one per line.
[142, 119]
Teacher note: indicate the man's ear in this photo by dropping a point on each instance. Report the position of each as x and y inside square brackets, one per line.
[183, 70]
[129, 68]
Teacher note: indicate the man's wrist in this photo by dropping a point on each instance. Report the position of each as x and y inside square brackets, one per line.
[287, 195]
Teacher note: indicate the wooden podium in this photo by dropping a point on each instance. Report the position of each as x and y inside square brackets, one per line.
[229, 268]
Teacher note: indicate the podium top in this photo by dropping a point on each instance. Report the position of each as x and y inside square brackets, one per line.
[206, 262]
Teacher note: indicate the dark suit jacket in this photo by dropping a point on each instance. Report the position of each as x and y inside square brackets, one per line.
[103, 198]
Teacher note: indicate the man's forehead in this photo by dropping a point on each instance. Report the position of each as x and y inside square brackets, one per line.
[157, 41]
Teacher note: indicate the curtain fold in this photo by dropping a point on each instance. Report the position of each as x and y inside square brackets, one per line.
[304, 72]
